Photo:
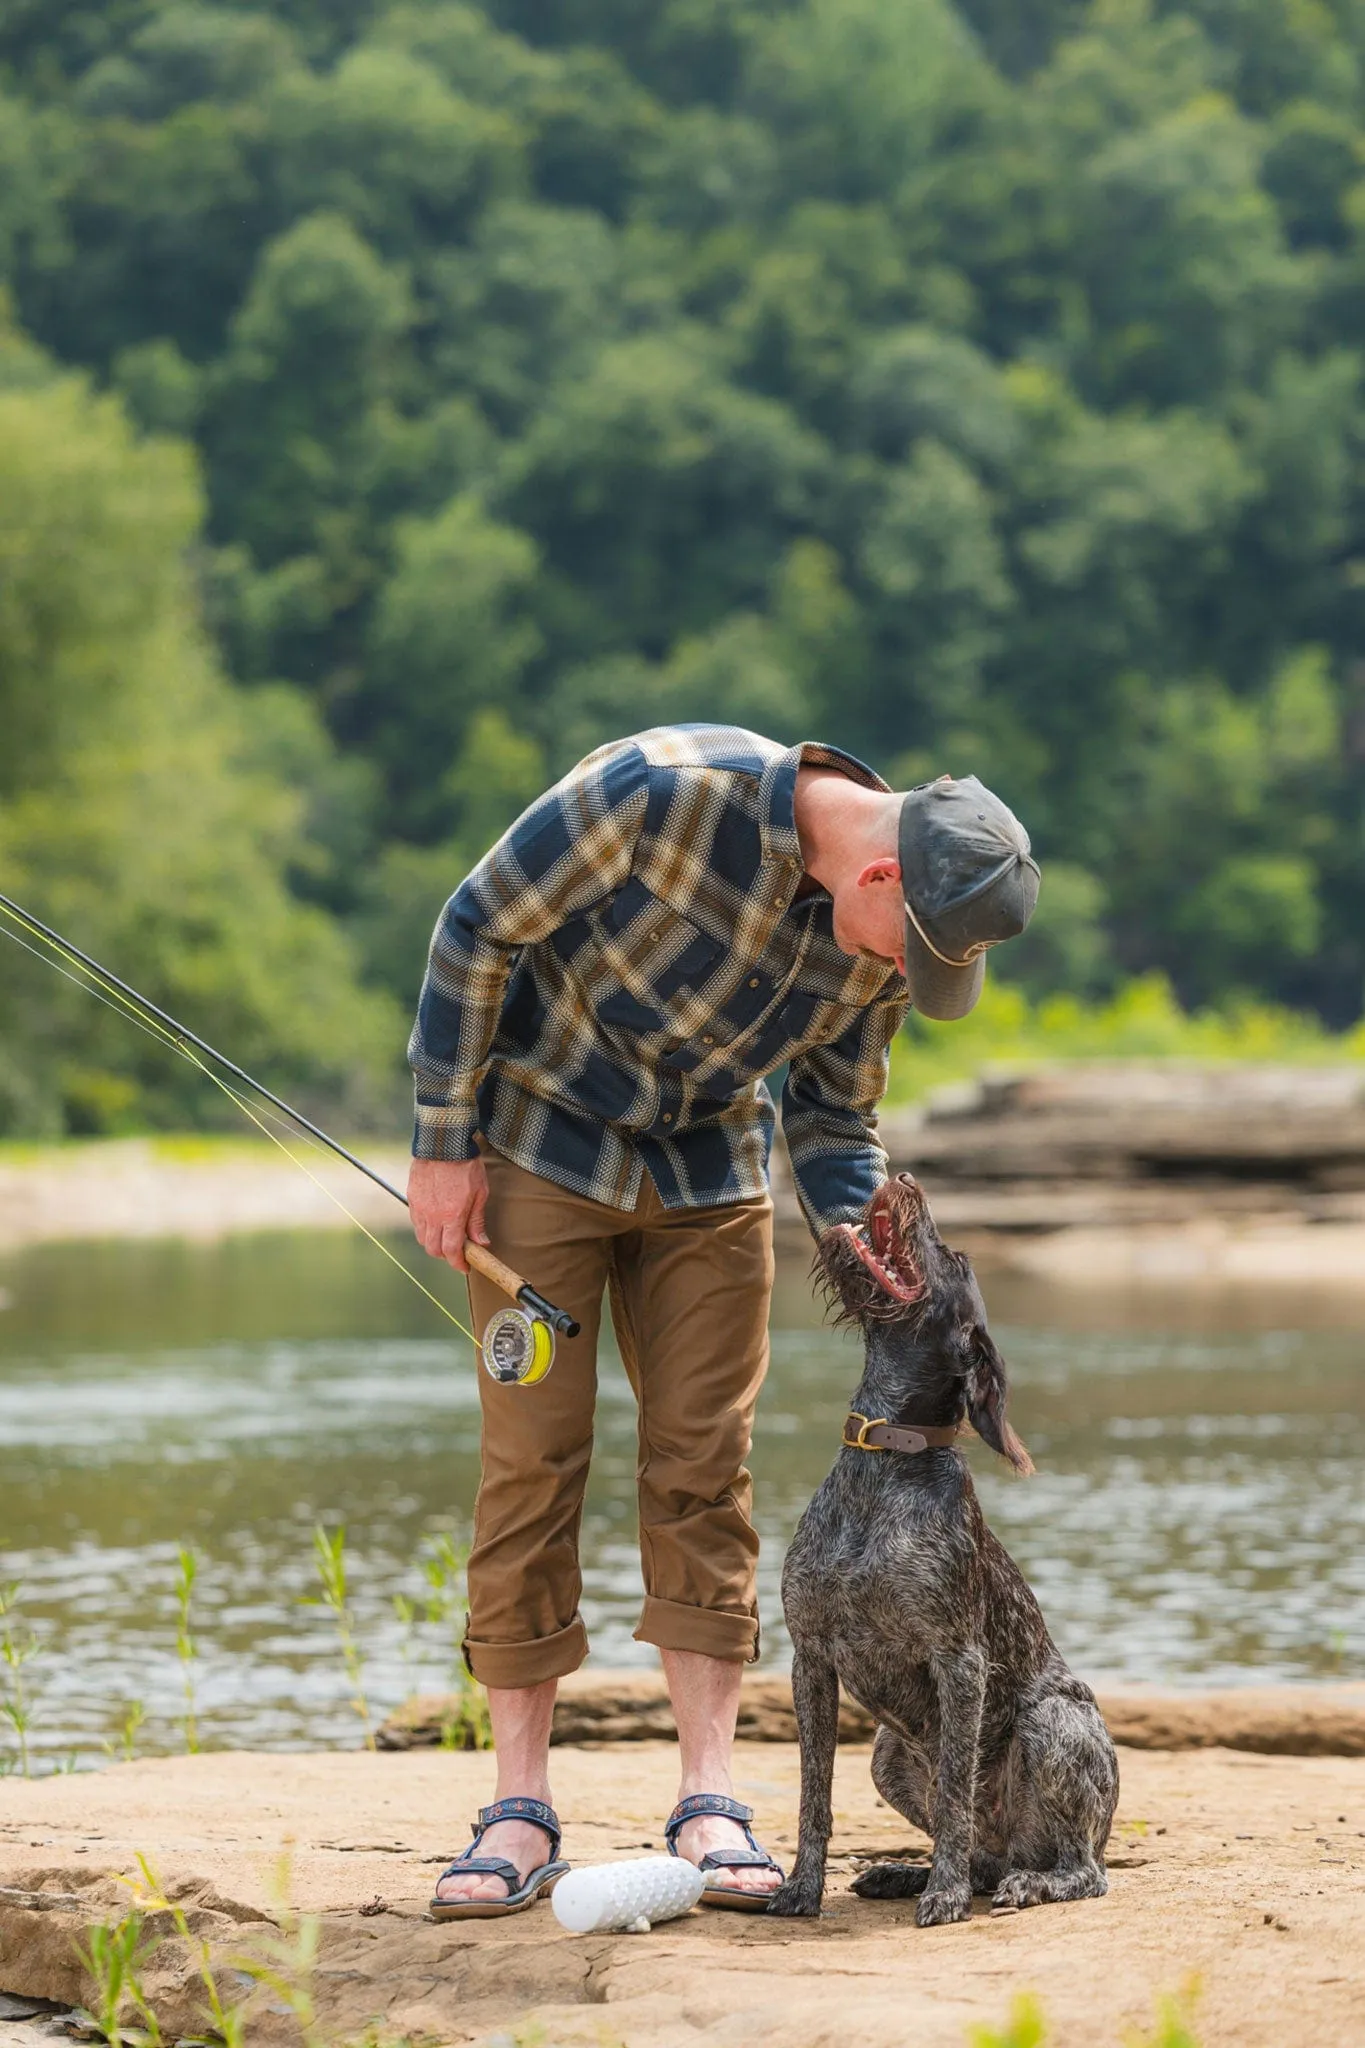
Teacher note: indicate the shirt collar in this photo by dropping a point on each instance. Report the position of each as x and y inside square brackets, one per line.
[777, 792]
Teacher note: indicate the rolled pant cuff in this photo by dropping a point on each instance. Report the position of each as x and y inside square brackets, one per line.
[506, 1666]
[670, 1625]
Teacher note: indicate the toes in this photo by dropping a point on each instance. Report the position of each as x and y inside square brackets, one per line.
[743, 1881]
[464, 1892]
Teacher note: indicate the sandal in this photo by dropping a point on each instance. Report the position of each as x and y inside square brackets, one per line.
[730, 1896]
[521, 1892]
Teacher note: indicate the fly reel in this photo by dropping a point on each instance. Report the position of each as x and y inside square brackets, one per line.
[518, 1350]
[518, 1343]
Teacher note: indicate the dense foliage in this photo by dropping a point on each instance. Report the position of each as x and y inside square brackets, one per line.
[140, 804]
[977, 388]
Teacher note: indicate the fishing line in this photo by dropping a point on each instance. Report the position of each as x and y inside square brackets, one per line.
[113, 995]
[525, 1350]
[153, 1031]
[181, 1035]
[304, 1167]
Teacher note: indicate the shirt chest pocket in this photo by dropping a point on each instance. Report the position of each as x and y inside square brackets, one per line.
[800, 1023]
[648, 960]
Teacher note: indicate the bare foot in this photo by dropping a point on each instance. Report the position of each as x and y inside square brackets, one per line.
[516, 1841]
[701, 1837]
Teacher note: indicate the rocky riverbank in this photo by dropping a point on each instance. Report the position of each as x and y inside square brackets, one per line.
[1245, 1871]
[1158, 1174]
[1115, 1175]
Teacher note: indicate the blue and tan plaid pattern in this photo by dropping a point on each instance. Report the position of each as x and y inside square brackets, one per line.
[607, 990]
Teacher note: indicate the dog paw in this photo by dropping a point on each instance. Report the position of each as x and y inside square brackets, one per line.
[949, 1903]
[793, 1901]
[1019, 1889]
[892, 1881]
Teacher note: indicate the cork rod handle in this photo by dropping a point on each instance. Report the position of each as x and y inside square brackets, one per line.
[486, 1262]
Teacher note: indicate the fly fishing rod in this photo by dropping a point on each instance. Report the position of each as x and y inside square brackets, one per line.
[518, 1344]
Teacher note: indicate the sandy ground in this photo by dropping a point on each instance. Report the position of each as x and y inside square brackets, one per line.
[1248, 1871]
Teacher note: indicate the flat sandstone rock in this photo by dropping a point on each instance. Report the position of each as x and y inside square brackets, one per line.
[1247, 1870]
[632, 1706]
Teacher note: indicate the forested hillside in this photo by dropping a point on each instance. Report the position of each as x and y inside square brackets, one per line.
[980, 389]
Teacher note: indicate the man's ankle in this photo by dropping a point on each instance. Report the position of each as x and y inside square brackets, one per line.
[715, 1779]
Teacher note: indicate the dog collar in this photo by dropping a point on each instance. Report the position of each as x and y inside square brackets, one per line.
[911, 1437]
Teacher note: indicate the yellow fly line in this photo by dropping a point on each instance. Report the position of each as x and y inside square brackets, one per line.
[114, 998]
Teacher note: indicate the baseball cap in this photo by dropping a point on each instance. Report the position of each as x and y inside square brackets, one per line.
[969, 881]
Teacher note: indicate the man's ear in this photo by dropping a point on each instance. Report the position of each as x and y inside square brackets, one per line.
[987, 1393]
[886, 868]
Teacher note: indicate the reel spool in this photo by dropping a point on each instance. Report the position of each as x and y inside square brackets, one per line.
[518, 1350]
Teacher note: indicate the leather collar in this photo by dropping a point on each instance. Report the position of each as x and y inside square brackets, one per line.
[863, 1433]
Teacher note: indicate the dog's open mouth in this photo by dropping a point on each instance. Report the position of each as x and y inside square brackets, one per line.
[891, 1265]
[871, 1266]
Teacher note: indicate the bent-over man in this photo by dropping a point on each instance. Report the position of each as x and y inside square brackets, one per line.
[686, 912]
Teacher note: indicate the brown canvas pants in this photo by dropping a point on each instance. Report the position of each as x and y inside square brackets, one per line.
[689, 1301]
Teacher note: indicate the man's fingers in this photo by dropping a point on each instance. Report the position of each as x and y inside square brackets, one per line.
[451, 1245]
[447, 1200]
[426, 1228]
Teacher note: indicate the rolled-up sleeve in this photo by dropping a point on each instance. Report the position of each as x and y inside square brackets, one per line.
[573, 846]
[829, 1114]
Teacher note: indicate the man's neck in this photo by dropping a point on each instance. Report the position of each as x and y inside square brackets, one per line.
[837, 820]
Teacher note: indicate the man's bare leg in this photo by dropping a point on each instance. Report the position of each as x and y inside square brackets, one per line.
[521, 1736]
[705, 1696]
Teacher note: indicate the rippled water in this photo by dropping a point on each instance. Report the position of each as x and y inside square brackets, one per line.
[1197, 1517]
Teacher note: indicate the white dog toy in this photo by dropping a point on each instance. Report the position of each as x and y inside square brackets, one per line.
[627, 1897]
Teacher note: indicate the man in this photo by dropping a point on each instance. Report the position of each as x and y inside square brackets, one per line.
[686, 912]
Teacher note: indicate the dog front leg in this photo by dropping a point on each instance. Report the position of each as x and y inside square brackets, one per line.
[961, 1681]
[815, 1691]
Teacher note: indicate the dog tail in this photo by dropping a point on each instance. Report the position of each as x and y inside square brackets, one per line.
[987, 1393]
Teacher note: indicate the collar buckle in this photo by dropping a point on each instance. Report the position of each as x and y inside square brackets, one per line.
[865, 1423]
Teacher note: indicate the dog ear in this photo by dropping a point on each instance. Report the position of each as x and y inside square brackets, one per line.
[987, 1392]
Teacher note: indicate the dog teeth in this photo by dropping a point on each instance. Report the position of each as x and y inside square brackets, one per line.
[898, 1277]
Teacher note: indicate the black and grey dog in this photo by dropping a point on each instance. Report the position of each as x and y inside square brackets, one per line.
[895, 1586]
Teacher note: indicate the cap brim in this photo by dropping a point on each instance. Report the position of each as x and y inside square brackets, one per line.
[936, 989]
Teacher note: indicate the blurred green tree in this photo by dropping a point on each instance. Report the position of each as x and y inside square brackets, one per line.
[136, 811]
[978, 387]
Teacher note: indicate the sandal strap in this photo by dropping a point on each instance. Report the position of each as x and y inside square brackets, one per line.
[486, 1866]
[698, 1804]
[536, 1811]
[738, 1859]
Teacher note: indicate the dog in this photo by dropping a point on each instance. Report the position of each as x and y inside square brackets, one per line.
[894, 1586]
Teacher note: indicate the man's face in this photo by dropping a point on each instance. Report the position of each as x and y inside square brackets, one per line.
[869, 913]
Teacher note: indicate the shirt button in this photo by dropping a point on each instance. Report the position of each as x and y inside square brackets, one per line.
[753, 981]
[707, 1039]
[668, 1116]
[654, 938]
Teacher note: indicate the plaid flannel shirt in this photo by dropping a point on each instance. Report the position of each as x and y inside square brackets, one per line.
[607, 990]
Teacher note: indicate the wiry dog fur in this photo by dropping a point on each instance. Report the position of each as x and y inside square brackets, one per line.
[895, 1586]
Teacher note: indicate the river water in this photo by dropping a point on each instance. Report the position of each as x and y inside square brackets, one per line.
[1197, 1517]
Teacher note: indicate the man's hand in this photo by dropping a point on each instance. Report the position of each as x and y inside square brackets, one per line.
[447, 1199]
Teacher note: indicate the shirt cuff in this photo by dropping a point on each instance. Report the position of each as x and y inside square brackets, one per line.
[445, 1134]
